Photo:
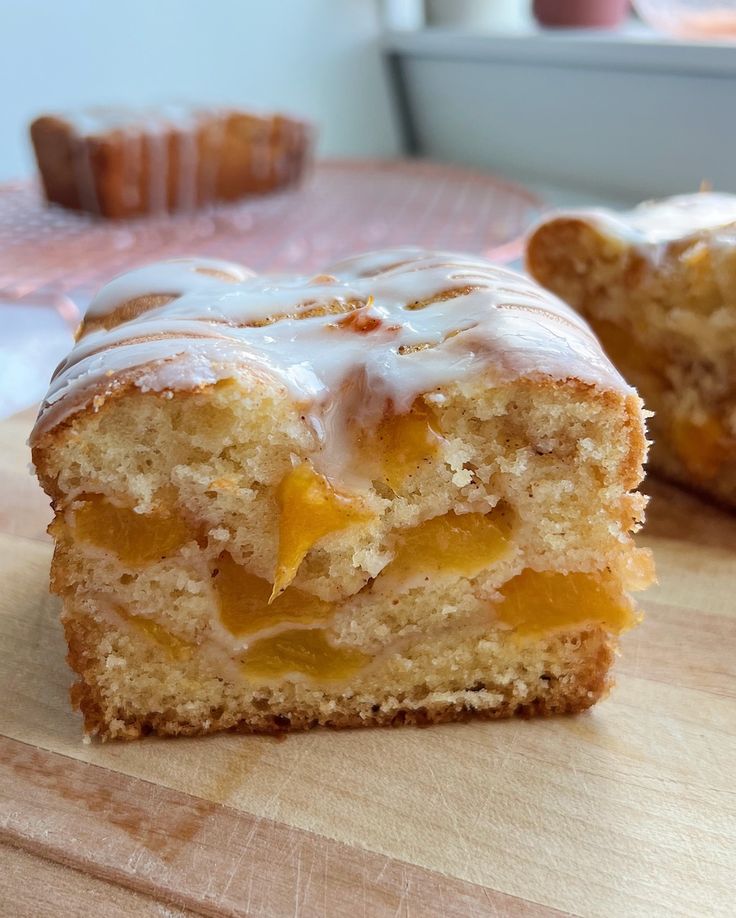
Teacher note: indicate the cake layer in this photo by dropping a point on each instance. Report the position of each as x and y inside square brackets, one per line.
[657, 285]
[399, 491]
[119, 162]
[448, 677]
[175, 469]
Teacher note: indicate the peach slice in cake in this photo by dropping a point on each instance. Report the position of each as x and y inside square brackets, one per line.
[400, 491]
[658, 286]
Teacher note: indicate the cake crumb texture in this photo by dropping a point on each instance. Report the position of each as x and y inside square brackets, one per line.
[213, 460]
[261, 534]
[664, 309]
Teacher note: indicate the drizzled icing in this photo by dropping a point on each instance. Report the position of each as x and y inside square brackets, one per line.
[374, 330]
[142, 130]
[657, 223]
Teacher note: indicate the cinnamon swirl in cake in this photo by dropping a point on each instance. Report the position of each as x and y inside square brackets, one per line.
[400, 491]
[658, 285]
[119, 162]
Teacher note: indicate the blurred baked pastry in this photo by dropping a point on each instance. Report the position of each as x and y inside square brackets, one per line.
[401, 491]
[119, 162]
[658, 286]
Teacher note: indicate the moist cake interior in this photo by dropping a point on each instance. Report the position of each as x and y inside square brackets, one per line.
[656, 285]
[232, 557]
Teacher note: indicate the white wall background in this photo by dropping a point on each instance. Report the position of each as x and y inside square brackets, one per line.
[319, 58]
[627, 115]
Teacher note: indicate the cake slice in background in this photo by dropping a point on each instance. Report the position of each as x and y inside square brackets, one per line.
[658, 286]
[401, 491]
[119, 162]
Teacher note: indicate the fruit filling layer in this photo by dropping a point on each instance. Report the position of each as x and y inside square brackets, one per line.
[403, 442]
[174, 646]
[136, 538]
[533, 604]
[536, 602]
[310, 508]
[244, 601]
[303, 652]
[454, 543]
[287, 627]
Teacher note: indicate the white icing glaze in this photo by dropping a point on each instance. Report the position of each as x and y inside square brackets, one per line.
[158, 168]
[211, 164]
[655, 223]
[174, 277]
[495, 322]
[84, 176]
[132, 160]
[260, 159]
[186, 179]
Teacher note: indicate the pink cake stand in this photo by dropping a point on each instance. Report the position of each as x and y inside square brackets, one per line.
[344, 207]
[52, 261]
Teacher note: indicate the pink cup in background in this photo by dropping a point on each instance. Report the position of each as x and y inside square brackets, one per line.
[699, 19]
[581, 14]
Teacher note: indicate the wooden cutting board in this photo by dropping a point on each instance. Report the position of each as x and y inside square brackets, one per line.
[626, 810]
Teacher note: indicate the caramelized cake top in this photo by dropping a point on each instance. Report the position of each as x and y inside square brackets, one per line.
[374, 330]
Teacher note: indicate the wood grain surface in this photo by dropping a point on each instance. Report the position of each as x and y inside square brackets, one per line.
[627, 810]
[31, 886]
